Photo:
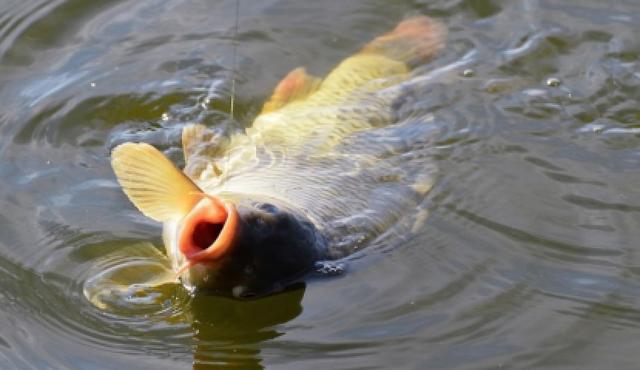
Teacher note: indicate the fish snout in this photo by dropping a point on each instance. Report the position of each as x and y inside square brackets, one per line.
[208, 230]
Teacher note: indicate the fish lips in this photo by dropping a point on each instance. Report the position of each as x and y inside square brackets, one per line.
[208, 231]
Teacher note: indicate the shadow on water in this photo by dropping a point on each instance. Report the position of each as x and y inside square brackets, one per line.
[229, 333]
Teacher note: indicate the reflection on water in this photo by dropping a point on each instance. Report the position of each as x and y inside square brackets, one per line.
[529, 257]
[218, 328]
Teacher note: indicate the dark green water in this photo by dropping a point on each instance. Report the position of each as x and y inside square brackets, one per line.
[530, 257]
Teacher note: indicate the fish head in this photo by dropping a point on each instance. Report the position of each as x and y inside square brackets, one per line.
[242, 247]
[232, 244]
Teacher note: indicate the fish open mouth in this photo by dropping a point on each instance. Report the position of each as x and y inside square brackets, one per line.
[206, 233]
[208, 230]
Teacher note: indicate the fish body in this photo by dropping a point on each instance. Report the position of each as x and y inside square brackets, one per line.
[314, 177]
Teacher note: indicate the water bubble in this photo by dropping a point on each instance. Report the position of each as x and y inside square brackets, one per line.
[592, 128]
[330, 268]
[93, 84]
[553, 82]
[468, 72]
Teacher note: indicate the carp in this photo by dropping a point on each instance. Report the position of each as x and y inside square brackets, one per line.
[316, 177]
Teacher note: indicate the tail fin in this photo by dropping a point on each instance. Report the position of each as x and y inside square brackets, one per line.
[413, 41]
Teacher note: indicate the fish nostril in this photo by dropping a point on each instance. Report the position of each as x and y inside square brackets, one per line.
[205, 234]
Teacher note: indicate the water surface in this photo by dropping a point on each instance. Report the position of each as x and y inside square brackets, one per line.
[529, 258]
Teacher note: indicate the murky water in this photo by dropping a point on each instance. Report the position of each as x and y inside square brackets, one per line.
[530, 256]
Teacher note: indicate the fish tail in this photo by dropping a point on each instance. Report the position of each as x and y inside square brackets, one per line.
[413, 41]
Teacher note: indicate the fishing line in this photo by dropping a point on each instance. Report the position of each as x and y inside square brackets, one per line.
[232, 101]
[233, 63]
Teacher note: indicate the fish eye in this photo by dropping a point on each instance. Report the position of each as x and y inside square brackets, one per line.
[268, 207]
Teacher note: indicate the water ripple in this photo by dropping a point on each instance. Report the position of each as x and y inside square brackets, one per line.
[528, 257]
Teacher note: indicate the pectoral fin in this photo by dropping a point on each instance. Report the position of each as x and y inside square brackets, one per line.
[152, 182]
[296, 85]
[191, 136]
[200, 141]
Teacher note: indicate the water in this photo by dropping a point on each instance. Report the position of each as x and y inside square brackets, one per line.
[529, 258]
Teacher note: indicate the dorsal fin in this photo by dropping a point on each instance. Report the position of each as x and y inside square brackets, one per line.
[296, 85]
[152, 182]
